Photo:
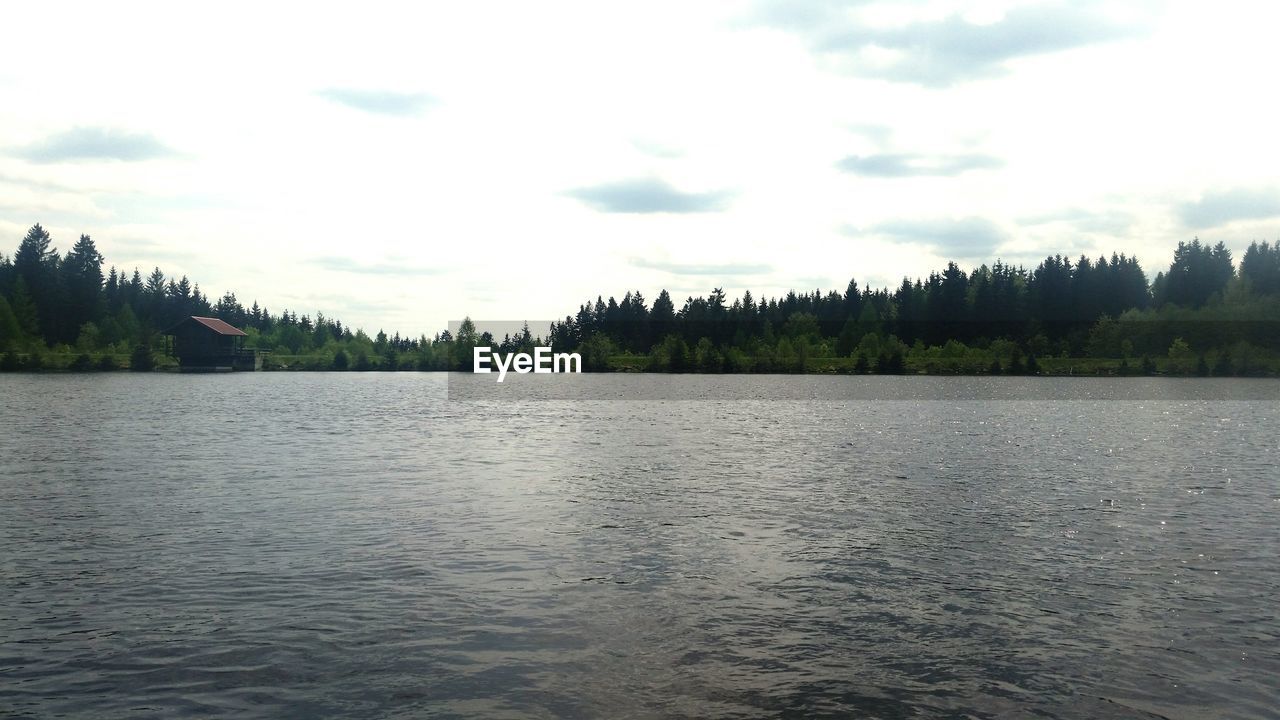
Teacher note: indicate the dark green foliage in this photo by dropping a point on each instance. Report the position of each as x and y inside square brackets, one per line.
[141, 360]
[10, 332]
[846, 343]
[1202, 367]
[106, 362]
[1222, 367]
[82, 363]
[1148, 366]
[1260, 268]
[671, 355]
[82, 279]
[1197, 273]
[891, 363]
[990, 319]
[707, 358]
[9, 362]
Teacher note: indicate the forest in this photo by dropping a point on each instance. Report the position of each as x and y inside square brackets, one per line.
[1204, 315]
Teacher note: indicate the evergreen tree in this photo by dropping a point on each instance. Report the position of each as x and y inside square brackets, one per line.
[1197, 273]
[82, 276]
[11, 335]
[36, 264]
[662, 318]
[1260, 267]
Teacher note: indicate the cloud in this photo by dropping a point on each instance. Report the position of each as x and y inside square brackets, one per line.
[380, 102]
[806, 17]
[939, 53]
[1222, 207]
[95, 143]
[647, 196]
[878, 135]
[816, 282]
[897, 165]
[385, 268]
[711, 269]
[657, 149]
[1107, 222]
[969, 237]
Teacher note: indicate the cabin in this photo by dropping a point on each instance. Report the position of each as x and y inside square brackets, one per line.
[205, 344]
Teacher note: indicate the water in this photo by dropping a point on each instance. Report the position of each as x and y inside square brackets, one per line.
[358, 545]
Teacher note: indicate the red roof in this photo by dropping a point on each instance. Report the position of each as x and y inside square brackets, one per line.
[213, 324]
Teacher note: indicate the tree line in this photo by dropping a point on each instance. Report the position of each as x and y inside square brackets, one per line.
[1203, 314]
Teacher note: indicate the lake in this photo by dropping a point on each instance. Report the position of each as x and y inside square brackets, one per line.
[400, 545]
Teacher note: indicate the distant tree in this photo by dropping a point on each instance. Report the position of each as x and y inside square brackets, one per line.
[82, 276]
[891, 363]
[1197, 273]
[662, 318]
[34, 255]
[24, 309]
[707, 358]
[1260, 267]
[10, 333]
[36, 265]
[1180, 350]
[142, 360]
[1222, 367]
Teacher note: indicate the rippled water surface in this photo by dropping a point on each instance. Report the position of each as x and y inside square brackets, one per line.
[359, 545]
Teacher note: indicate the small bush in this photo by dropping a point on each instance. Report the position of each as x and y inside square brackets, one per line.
[1148, 366]
[141, 360]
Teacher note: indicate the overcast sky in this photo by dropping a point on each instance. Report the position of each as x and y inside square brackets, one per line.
[398, 166]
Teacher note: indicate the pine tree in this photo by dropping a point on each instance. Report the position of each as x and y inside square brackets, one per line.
[82, 276]
[36, 264]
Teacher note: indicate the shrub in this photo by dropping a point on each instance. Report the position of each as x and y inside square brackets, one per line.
[141, 360]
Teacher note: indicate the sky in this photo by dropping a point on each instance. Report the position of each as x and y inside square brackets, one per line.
[398, 166]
